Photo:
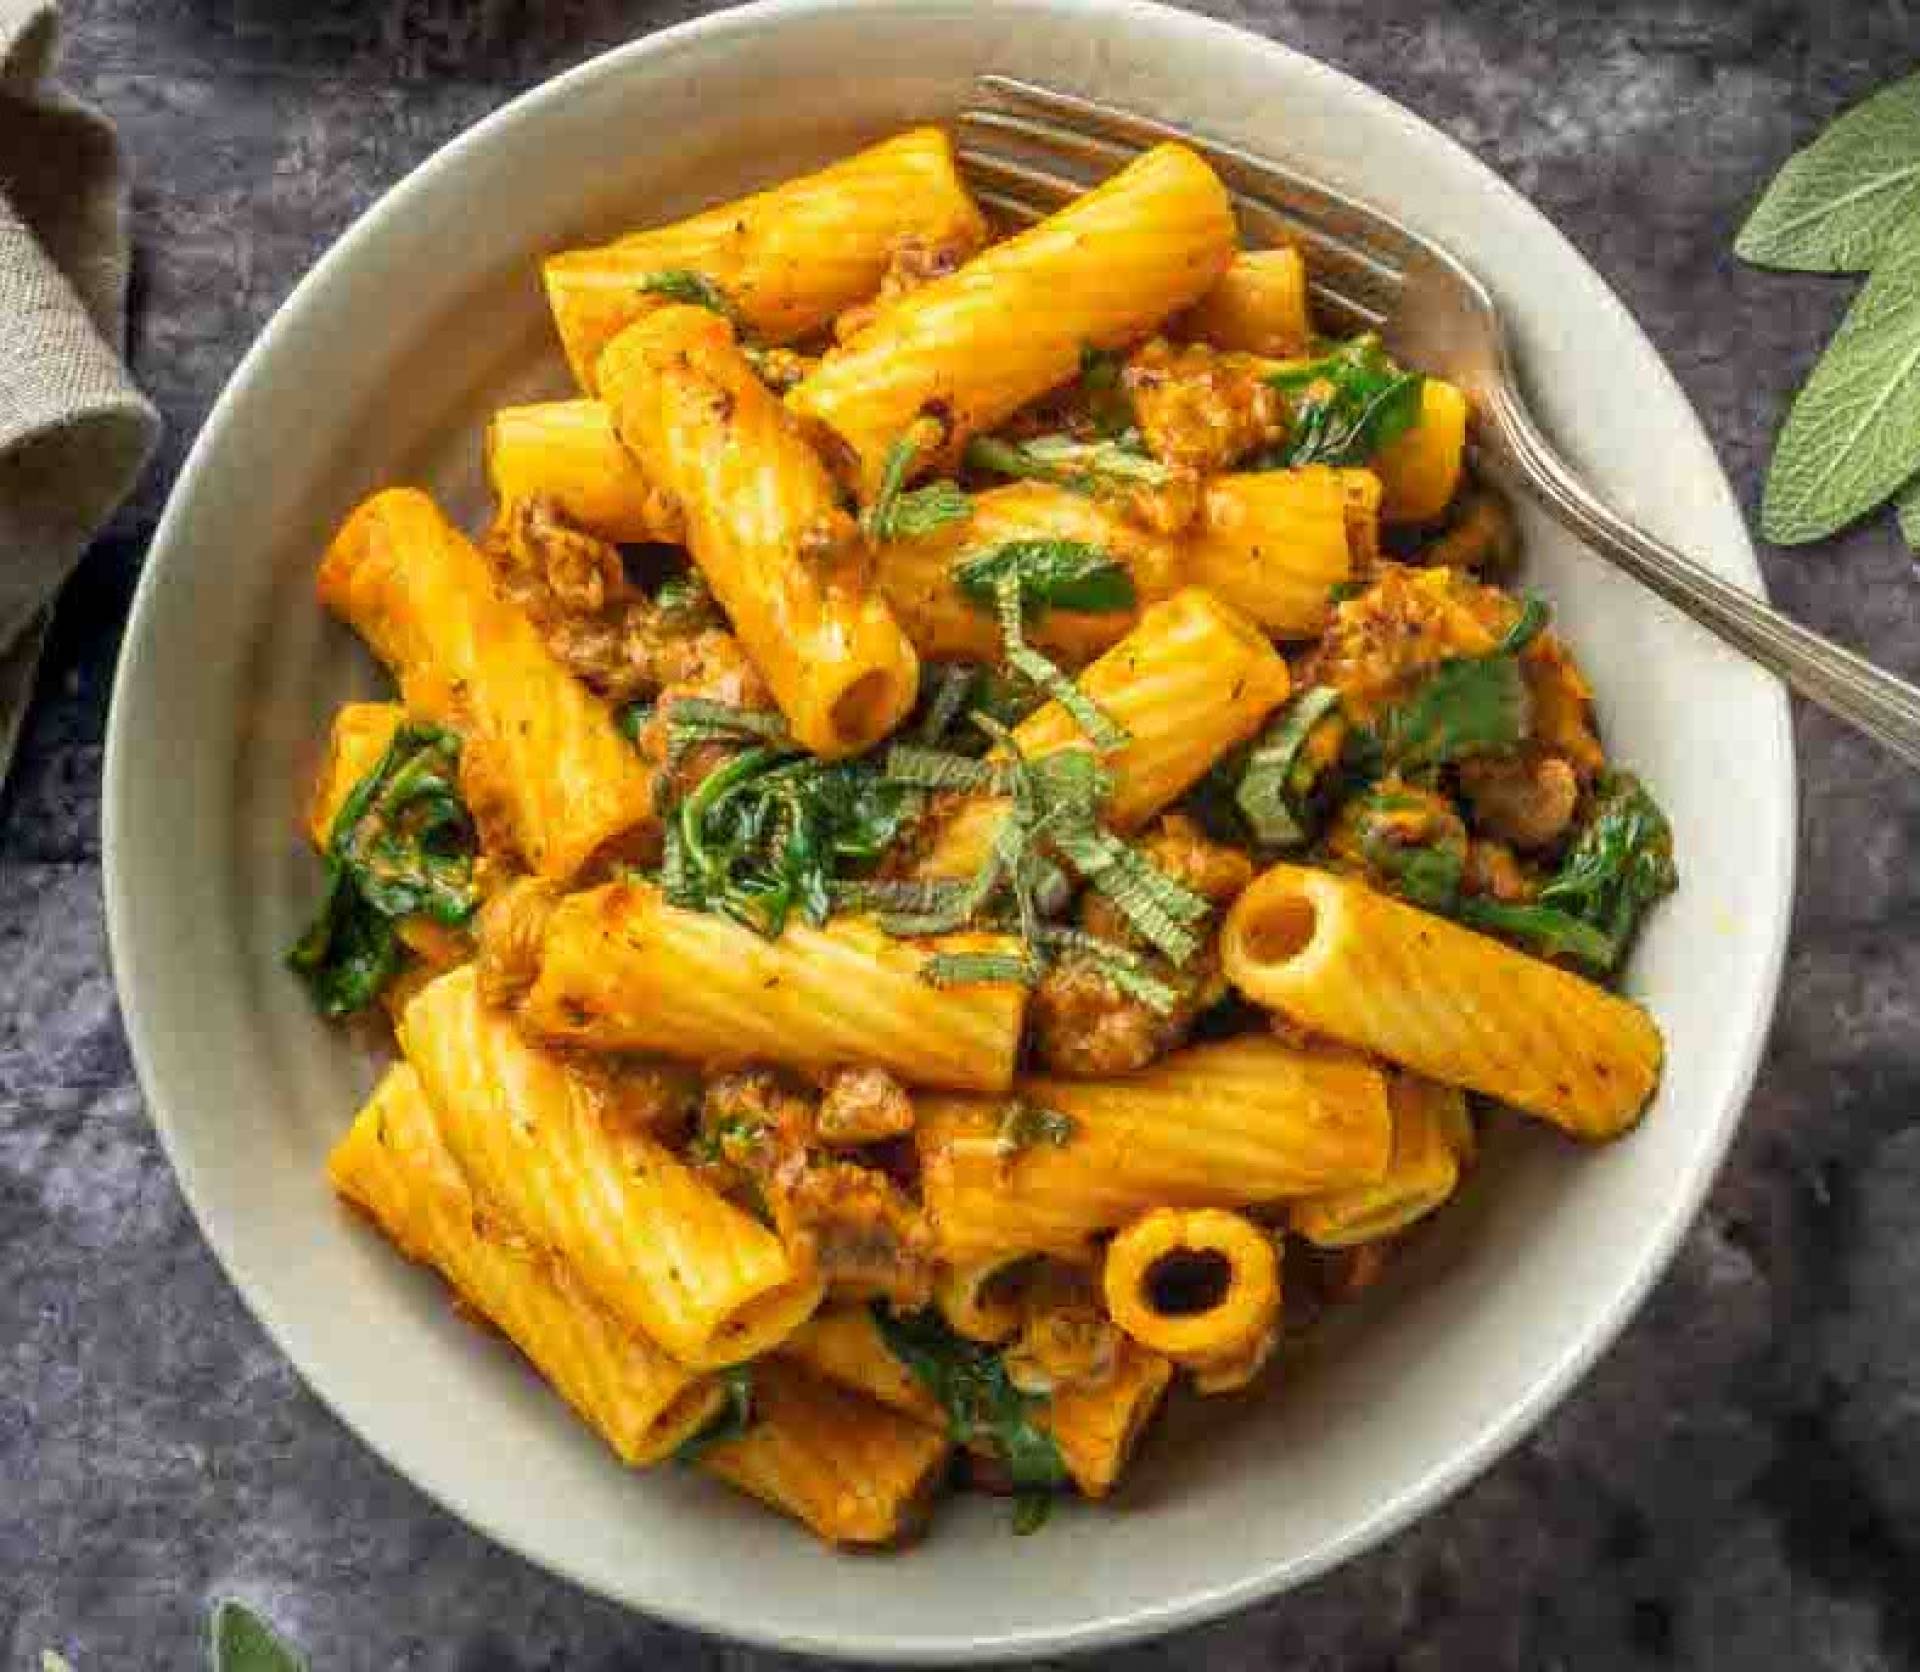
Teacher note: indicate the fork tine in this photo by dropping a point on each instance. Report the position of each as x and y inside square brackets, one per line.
[1033, 185]
[1024, 194]
[1361, 228]
[1009, 208]
[1358, 271]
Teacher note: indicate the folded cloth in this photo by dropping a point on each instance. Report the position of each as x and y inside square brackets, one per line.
[74, 431]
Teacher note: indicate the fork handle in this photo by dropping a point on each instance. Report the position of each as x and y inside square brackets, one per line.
[1846, 685]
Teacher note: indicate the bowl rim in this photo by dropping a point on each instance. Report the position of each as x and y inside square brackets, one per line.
[1129, 1623]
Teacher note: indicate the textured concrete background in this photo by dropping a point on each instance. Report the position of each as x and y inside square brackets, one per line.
[1737, 1486]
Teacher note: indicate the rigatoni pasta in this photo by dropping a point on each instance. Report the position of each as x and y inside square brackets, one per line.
[785, 260]
[569, 453]
[763, 522]
[1338, 957]
[567, 1156]
[1242, 1121]
[619, 969]
[1201, 1286]
[1275, 544]
[1258, 305]
[852, 1471]
[1432, 1143]
[394, 1164]
[539, 750]
[964, 352]
[832, 826]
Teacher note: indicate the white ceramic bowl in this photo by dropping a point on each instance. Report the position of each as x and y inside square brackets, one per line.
[380, 368]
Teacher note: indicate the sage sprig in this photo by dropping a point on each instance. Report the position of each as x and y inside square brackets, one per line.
[1850, 202]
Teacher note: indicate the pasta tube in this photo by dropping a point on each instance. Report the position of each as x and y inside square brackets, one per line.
[1275, 543]
[971, 349]
[946, 625]
[785, 260]
[844, 1345]
[982, 1299]
[1420, 471]
[1432, 1138]
[1221, 1125]
[618, 969]
[394, 1164]
[764, 523]
[1258, 305]
[1456, 1006]
[1194, 678]
[1202, 1287]
[851, 1470]
[563, 1154]
[543, 765]
[1097, 1425]
[568, 452]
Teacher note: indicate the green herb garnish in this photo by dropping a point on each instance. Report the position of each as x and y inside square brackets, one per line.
[1465, 706]
[982, 1405]
[1528, 626]
[1345, 406]
[1846, 204]
[900, 513]
[733, 1419]
[940, 769]
[1102, 730]
[682, 284]
[243, 1642]
[1621, 863]
[768, 832]
[693, 721]
[1025, 1125]
[964, 969]
[1430, 877]
[686, 601]
[1051, 574]
[1276, 788]
[402, 845]
[1094, 468]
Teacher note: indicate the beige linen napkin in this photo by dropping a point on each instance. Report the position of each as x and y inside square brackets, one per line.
[74, 432]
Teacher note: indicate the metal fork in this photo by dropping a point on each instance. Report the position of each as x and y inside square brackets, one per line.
[1369, 272]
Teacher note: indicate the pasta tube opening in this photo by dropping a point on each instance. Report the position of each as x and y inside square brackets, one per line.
[1201, 1287]
[1279, 930]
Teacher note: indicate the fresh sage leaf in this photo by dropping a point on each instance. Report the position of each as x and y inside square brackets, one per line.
[243, 1642]
[1907, 505]
[1051, 574]
[682, 284]
[1852, 436]
[1845, 201]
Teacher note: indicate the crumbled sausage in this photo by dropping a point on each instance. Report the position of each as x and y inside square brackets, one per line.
[865, 1235]
[510, 928]
[1526, 799]
[864, 1105]
[1201, 407]
[1066, 1338]
[912, 262]
[1082, 1022]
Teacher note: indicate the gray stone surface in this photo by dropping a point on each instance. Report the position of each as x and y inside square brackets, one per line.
[1737, 1486]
